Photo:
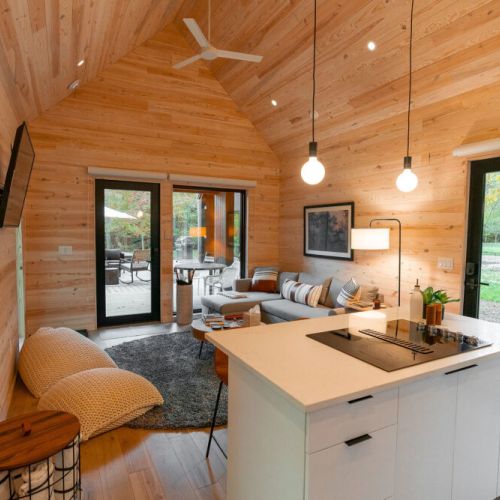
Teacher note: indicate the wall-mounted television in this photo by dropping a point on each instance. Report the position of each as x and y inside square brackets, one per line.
[18, 176]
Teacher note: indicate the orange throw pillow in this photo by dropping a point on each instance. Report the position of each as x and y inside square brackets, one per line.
[265, 281]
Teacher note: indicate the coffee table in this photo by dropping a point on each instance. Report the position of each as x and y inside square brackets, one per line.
[199, 330]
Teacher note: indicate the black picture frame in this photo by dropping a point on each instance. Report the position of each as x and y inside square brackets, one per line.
[322, 240]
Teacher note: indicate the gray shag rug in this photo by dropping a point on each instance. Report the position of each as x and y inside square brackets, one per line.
[188, 384]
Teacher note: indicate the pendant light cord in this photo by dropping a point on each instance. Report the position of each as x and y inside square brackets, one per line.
[209, 19]
[314, 72]
[410, 82]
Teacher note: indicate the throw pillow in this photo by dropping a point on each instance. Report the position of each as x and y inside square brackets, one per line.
[301, 293]
[51, 354]
[264, 280]
[348, 292]
[312, 279]
[102, 399]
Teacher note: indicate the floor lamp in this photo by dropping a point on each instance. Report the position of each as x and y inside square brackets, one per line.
[377, 239]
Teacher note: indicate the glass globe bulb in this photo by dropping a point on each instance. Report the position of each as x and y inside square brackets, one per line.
[312, 171]
[407, 181]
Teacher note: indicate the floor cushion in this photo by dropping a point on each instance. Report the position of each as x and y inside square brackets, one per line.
[51, 354]
[102, 398]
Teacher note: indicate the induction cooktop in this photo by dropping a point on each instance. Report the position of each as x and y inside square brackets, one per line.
[402, 344]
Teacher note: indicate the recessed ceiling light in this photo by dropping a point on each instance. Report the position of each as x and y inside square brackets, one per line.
[81, 62]
[274, 102]
[74, 85]
[371, 45]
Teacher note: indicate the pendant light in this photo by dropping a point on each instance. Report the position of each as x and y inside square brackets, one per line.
[407, 181]
[313, 171]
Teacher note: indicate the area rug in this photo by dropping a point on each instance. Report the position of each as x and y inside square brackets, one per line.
[188, 384]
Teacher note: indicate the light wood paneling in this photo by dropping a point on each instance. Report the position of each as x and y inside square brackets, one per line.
[41, 42]
[8, 290]
[138, 114]
[361, 99]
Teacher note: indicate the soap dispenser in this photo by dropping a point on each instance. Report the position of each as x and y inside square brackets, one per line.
[416, 304]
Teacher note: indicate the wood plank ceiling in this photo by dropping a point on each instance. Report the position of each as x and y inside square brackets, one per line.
[41, 42]
[457, 48]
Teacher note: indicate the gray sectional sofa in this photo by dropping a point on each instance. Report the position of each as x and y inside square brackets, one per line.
[276, 309]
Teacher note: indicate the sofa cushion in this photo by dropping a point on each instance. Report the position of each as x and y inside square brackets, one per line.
[333, 293]
[368, 293]
[286, 275]
[348, 292]
[301, 293]
[265, 280]
[290, 311]
[311, 279]
[225, 305]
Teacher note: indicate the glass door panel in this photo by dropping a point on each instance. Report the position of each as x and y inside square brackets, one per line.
[127, 252]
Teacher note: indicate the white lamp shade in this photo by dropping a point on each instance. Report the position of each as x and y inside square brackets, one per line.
[312, 171]
[370, 239]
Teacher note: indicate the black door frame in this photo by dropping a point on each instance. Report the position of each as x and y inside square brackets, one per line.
[154, 189]
[472, 280]
[243, 221]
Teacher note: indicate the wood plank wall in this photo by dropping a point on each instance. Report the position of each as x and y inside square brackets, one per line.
[138, 114]
[362, 166]
[8, 291]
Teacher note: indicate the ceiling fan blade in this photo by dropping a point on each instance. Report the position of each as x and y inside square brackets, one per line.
[196, 32]
[181, 64]
[240, 56]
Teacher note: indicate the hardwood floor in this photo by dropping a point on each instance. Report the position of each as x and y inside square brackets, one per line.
[137, 464]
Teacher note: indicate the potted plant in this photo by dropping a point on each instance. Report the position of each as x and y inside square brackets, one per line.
[431, 296]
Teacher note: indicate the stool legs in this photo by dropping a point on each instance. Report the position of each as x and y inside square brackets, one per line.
[201, 349]
[213, 424]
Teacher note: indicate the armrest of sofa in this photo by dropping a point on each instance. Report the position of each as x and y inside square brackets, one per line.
[242, 284]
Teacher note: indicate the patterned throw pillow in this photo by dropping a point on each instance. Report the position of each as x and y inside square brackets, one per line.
[264, 280]
[301, 293]
[348, 292]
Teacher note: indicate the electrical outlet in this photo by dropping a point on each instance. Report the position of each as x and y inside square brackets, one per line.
[445, 263]
[65, 250]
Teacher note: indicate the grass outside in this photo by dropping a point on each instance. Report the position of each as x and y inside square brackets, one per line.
[491, 249]
[490, 274]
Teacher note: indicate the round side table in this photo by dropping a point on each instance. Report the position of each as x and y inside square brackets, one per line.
[199, 329]
[40, 456]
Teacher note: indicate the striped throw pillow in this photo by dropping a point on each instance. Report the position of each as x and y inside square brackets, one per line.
[348, 292]
[301, 293]
[264, 280]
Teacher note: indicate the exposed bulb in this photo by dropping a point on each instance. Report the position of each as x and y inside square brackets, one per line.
[407, 181]
[313, 171]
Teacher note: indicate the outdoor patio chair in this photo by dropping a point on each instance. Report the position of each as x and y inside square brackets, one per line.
[112, 258]
[141, 260]
[224, 280]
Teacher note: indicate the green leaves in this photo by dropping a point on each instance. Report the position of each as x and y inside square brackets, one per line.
[436, 297]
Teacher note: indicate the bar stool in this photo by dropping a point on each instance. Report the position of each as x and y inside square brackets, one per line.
[221, 370]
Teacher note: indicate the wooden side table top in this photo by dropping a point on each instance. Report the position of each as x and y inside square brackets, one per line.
[199, 329]
[51, 431]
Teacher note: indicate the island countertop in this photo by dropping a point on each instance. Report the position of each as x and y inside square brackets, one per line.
[314, 376]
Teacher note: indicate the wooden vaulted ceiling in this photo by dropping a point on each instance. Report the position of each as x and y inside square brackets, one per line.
[41, 42]
[457, 48]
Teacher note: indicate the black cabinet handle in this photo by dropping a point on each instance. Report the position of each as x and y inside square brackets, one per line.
[460, 369]
[357, 400]
[357, 440]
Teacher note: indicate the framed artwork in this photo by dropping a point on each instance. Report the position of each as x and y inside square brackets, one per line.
[327, 231]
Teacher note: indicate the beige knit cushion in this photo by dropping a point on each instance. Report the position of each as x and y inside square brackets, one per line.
[102, 399]
[51, 354]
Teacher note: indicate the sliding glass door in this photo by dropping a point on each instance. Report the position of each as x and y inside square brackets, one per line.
[127, 252]
[209, 235]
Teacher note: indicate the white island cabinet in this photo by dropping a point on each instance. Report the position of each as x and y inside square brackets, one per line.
[307, 422]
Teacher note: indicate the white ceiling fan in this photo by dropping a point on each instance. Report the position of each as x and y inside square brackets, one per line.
[208, 51]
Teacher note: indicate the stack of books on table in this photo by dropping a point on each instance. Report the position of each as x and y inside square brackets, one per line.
[213, 320]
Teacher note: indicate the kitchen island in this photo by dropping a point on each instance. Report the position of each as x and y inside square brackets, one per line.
[309, 422]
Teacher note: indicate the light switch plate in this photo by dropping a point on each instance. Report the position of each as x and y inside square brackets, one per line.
[65, 250]
[445, 263]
